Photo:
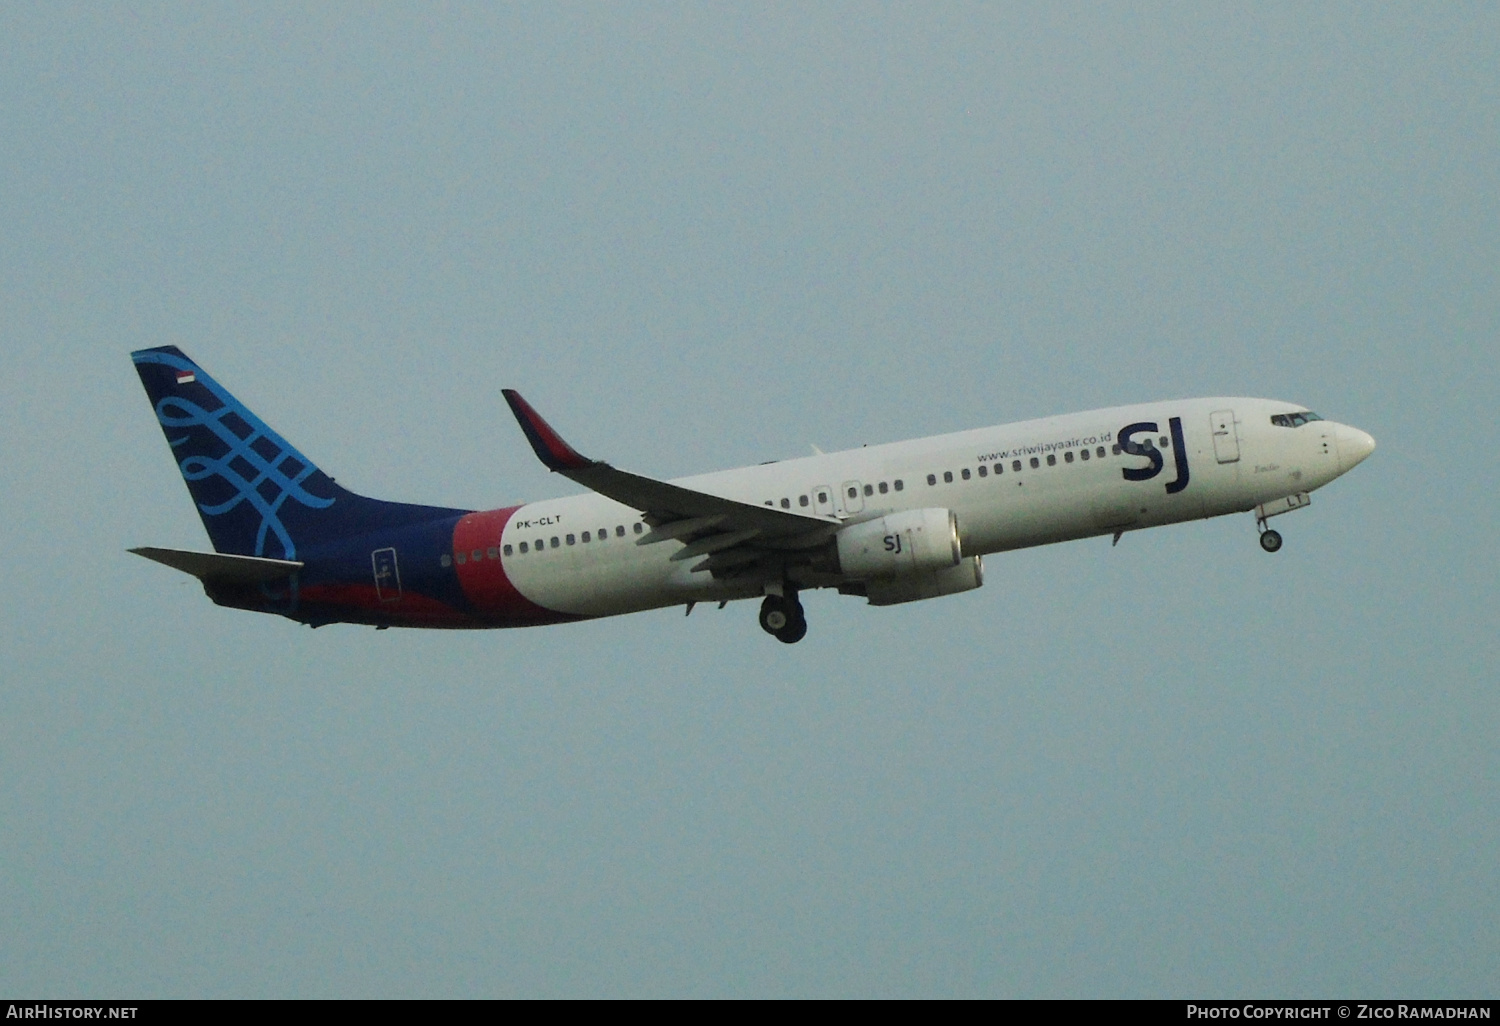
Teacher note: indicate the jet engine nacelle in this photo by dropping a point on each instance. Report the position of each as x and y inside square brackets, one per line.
[902, 543]
[926, 584]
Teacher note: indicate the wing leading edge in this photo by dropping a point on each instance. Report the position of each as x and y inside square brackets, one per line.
[735, 537]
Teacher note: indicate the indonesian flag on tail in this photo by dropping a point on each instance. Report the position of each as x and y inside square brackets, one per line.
[186, 377]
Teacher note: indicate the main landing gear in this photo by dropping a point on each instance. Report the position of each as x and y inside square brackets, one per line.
[1270, 540]
[782, 618]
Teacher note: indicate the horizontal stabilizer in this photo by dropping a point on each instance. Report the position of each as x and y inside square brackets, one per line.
[221, 568]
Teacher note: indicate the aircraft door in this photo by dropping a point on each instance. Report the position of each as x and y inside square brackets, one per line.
[387, 575]
[823, 500]
[1226, 438]
[851, 497]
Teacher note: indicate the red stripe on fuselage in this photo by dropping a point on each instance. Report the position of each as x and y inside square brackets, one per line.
[483, 579]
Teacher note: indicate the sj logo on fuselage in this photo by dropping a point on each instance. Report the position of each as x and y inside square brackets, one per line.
[1151, 452]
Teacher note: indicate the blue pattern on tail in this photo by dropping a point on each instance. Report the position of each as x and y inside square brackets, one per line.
[259, 467]
[257, 495]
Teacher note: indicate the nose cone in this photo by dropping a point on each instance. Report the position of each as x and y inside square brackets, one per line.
[1354, 446]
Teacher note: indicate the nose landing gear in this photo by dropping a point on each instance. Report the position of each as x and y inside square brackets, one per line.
[1271, 540]
[783, 619]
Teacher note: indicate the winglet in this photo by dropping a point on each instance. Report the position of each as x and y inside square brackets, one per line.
[549, 446]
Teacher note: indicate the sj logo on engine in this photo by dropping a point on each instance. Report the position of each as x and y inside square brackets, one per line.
[893, 543]
[1179, 453]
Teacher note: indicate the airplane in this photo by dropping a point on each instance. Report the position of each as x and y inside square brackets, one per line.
[892, 523]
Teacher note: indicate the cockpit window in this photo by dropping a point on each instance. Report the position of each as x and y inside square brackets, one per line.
[1293, 420]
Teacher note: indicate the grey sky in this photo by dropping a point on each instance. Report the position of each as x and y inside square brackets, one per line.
[698, 237]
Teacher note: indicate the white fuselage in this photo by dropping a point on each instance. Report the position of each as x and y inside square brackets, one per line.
[1036, 488]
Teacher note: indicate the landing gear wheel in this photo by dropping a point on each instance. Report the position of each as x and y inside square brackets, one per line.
[774, 614]
[783, 619]
[1270, 540]
[793, 632]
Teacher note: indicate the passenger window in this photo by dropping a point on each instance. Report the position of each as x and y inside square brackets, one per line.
[770, 503]
[637, 528]
[619, 530]
[899, 485]
[884, 488]
[999, 469]
[492, 552]
[572, 540]
[445, 560]
[1115, 450]
[1035, 463]
[603, 533]
[854, 493]
[964, 473]
[1162, 441]
[585, 537]
[947, 477]
[1068, 456]
[802, 500]
[523, 547]
[983, 471]
[932, 479]
[822, 498]
[1084, 454]
[476, 555]
[462, 559]
[786, 503]
[1051, 459]
[509, 550]
[869, 489]
[541, 543]
[1100, 453]
[1015, 466]
[555, 543]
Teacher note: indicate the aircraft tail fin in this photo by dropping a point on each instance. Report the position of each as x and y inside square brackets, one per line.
[257, 495]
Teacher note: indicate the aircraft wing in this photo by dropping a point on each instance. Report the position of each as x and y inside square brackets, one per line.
[730, 533]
